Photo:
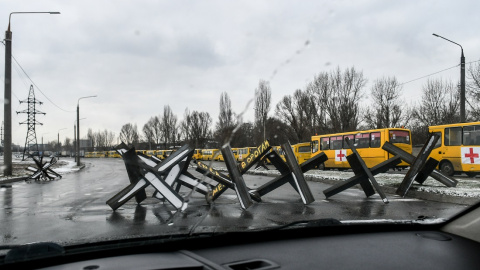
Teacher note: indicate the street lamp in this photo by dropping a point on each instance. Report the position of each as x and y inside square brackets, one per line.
[75, 138]
[78, 128]
[8, 96]
[462, 80]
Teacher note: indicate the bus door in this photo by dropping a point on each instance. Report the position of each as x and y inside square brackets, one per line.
[452, 138]
[339, 154]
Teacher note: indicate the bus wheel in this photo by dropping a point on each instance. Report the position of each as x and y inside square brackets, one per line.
[471, 174]
[447, 168]
[321, 166]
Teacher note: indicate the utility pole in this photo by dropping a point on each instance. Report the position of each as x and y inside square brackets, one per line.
[7, 107]
[31, 139]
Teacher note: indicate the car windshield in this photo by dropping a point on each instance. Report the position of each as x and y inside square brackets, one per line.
[134, 119]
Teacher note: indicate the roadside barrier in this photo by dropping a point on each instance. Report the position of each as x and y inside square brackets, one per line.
[234, 180]
[426, 167]
[291, 173]
[43, 170]
[162, 176]
[363, 175]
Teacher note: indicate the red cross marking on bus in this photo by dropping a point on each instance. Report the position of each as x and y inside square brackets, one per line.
[471, 155]
[341, 155]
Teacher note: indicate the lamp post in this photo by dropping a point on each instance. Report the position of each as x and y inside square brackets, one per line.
[8, 96]
[78, 128]
[462, 80]
[75, 139]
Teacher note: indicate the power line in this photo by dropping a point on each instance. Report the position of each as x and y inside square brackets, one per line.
[437, 72]
[429, 75]
[38, 88]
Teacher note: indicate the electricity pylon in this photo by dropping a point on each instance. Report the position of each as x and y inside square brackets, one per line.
[31, 139]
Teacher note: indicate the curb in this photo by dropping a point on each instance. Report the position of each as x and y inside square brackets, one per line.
[12, 180]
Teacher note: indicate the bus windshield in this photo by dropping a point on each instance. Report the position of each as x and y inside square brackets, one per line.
[399, 136]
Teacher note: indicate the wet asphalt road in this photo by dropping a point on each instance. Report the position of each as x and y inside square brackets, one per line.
[74, 210]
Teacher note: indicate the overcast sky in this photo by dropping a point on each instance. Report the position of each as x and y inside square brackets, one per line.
[138, 56]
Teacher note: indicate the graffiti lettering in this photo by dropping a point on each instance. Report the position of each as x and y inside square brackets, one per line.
[217, 189]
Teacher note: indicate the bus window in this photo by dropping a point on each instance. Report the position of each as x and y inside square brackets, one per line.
[350, 137]
[439, 142]
[304, 149]
[399, 136]
[471, 135]
[324, 143]
[336, 142]
[453, 136]
[314, 146]
[375, 139]
[362, 140]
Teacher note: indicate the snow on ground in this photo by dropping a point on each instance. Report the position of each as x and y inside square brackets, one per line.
[465, 188]
[62, 167]
[67, 166]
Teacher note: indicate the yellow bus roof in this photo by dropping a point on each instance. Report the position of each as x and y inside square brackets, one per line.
[456, 125]
[360, 131]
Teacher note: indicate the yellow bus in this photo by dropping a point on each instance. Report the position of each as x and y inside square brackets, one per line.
[163, 154]
[197, 154]
[89, 154]
[235, 154]
[458, 149]
[210, 154]
[367, 142]
[113, 154]
[141, 151]
[280, 152]
[242, 153]
[98, 154]
[302, 151]
[151, 153]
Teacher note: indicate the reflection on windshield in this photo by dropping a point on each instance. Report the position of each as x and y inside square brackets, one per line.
[229, 117]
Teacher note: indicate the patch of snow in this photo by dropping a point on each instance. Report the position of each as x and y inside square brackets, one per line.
[70, 166]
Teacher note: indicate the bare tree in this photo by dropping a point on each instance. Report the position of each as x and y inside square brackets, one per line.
[100, 140]
[440, 104]
[149, 131]
[91, 137]
[226, 117]
[343, 99]
[473, 90]
[387, 109]
[196, 128]
[68, 145]
[243, 136]
[291, 111]
[318, 91]
[226, 120]
[330, 103]
[263, 98]
[185, 126]
[169, 126]
[129, 134]
[110, 137]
